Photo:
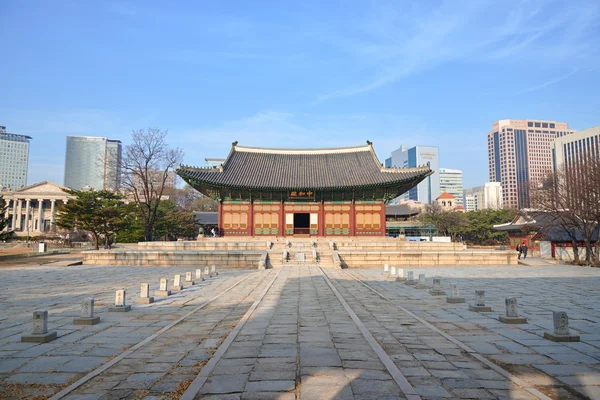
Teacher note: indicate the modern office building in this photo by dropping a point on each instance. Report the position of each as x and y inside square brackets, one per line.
[213, 162]
[519, 155]
[429, 189]
[577, 147]
[14, 160]
[451, 181]
[488, 196]
[92, 162]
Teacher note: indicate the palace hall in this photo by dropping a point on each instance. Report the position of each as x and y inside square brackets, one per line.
[302, 192]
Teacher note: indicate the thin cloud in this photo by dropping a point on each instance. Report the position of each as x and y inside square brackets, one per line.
[550, 82]
[395, 42]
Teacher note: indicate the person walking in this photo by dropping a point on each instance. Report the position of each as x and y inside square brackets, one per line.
[519, 251]
[524, 250]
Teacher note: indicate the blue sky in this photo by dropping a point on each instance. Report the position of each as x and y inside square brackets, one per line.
[295, 74]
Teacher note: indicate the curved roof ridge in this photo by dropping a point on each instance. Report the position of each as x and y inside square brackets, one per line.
[299, 151]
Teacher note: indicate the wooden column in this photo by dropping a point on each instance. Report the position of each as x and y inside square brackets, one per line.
[220, 218]
[382, 220]
[322, 218]
[352, 219]
[251, 218]
[282, 219]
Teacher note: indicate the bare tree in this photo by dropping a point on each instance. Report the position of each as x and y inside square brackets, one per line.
[147, 165]
[570, 195]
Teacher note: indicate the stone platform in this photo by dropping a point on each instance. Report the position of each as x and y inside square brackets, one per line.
[332, 252]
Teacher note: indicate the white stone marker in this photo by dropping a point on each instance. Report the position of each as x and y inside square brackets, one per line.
[455, 297]
[422, 282]
[410, 278]
[207, 272]
[436, 290]
[189, 280]
[145, 297]
[87, 313]
[120, 302]
[199, 276]
[561, 329]
[386, 268]
[512, 312]
[213, 270]
[479, 305]
[40, 332]
[176, 284]
[393, 272]
[400, 274]
[162, 288]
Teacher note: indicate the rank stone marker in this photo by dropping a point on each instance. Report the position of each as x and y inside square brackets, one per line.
[386, 268]
[422, 282]
[120, 302]
[400, 274]
[512, 312]
[40, 332]
[177, 284]
[213, 270]
[393, 272]
[410, 278]
[188, 279]
[162, 288]
[436, 290]
[87, 313]
[561, 329]
[199, 276]
[144, 295]
[207, 272]
[455, 297]
[479, 305]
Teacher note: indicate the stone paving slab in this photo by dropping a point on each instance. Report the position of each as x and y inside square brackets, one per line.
[521, 349]
[80, 349]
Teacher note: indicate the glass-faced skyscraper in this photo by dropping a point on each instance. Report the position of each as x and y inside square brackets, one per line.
[429, 189]
[92, 162]
[520, 155]
[14, 159]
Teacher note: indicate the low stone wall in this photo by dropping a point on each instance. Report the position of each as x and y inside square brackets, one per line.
[223, 259]
[203, 245]
[397, 245]
[376, 259]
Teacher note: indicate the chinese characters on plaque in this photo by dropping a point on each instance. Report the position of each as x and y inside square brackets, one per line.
[302, 195]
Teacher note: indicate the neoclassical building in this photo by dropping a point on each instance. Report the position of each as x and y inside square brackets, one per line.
[32, 209]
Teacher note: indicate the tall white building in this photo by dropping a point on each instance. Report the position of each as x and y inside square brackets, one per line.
[92, 162]
[14, 160]
[429, 189]
[484, 197]
[451, 181]
[576, 147]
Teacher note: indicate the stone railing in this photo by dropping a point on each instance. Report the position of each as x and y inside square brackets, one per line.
[263, 262]
[337, 261]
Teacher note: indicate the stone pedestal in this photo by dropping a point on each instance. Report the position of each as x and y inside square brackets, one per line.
[40, 332]
[561, 338]
[561, 329]
[189, 283]
[119, 308]
[120, 302]
[455, 300]
[410, 282]
[422, 283]
[39, 338]
[435, 292]
[174, 288]
[87, 313]
[476, 308]
[162, 293]
[512, 320]
[144, 300]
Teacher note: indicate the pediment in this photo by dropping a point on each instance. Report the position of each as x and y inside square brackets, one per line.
[42, 188]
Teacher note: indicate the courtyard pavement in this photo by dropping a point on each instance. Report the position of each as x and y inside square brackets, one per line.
[300, 333]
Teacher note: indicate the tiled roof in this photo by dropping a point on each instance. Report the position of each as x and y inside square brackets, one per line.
[259, 168]
[446, 195]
